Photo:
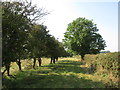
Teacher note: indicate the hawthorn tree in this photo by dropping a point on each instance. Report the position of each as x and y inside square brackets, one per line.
[55, 49]
[17, 21]
[82, 38]
[51, 46]
[37, 42]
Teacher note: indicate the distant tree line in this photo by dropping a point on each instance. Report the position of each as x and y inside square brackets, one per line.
[23, 38]
[105, 52]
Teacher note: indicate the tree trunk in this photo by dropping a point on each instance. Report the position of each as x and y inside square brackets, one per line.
[40, 61]
[4, 71]
[82, 57]
[54, 60]
[7, 66]
[8, 69]
[51, 60]
[34, 63]
[19, 64]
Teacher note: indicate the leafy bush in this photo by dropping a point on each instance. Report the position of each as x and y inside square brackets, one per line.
[105, 63]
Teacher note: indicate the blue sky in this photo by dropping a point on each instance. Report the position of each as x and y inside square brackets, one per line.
[63, 12]
[105, 15]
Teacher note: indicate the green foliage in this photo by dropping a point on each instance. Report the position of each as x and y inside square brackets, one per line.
[37, 41]
[106, 64]
[22, 37]
[17, 20]
[12, 42]
[82, 38]
[52, 46]
[42, 44]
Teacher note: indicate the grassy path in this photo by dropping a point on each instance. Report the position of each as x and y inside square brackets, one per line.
[67, 73]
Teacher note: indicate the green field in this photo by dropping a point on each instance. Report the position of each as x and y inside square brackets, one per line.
[66, 73]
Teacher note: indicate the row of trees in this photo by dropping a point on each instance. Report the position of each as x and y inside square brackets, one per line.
[23, 38]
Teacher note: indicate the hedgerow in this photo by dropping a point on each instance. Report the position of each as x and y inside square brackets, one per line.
[104, 63]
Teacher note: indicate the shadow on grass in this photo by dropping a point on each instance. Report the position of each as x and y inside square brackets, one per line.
[68, 66]
[49, 77]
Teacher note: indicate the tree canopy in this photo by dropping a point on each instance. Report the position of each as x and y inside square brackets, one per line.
[82, 38]
[23, 37]
[17, 21]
